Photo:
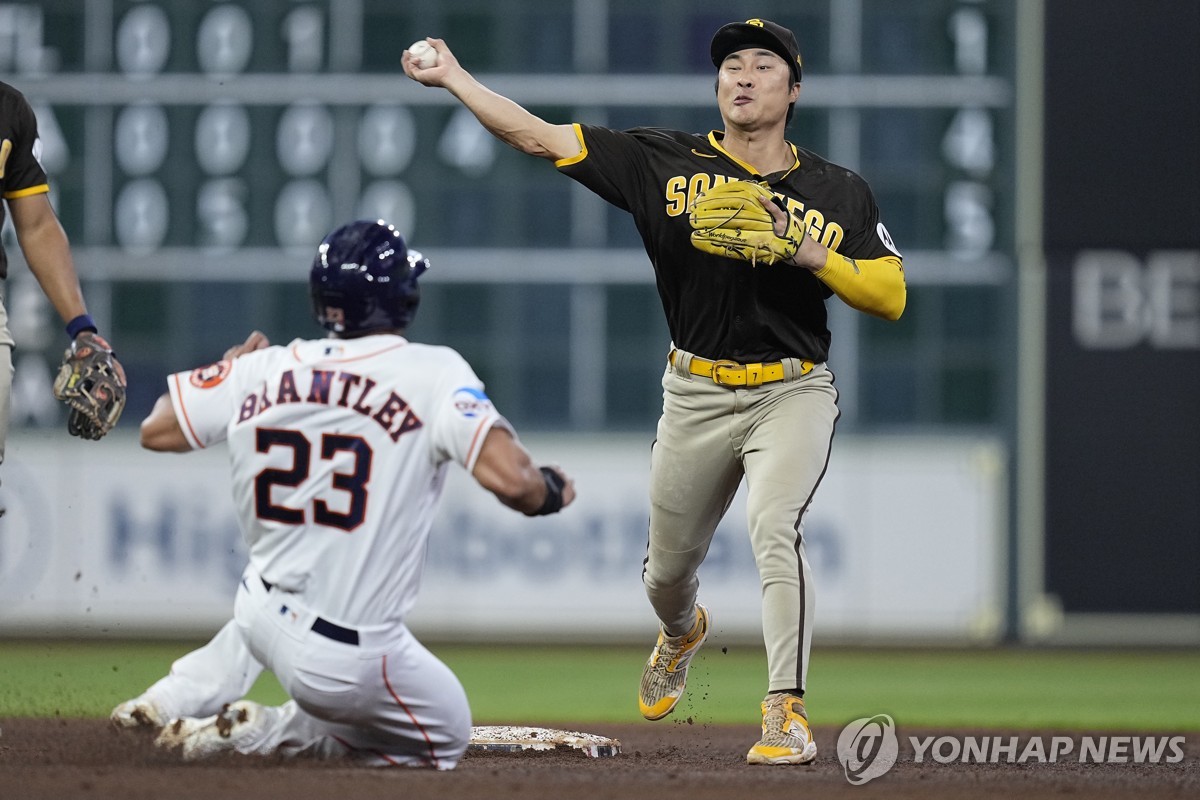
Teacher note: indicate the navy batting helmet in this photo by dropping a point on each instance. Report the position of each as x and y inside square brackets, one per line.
[364, 279]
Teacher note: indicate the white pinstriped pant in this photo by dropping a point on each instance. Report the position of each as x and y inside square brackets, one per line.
[778, 437]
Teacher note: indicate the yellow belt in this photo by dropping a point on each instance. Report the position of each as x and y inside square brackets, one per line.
[731, 373]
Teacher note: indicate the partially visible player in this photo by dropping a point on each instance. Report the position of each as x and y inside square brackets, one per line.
[339, 449]
[746, 389]
[25, 189]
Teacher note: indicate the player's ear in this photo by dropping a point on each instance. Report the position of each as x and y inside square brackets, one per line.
[794, 94]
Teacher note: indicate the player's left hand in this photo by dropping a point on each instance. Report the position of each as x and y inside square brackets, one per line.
[739, 219]
[811, 253]
[92, 382]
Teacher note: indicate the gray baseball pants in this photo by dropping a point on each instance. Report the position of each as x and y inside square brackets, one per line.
[778, 436]
[6, 376]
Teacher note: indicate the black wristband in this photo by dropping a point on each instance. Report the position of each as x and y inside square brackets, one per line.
[554, 493]
[80, 324]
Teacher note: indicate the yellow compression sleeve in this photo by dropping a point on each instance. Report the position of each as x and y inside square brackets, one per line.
[874, 285]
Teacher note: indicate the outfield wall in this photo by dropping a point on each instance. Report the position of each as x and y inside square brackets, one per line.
[905, 537]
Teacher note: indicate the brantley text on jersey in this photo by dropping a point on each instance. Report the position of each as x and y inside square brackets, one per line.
[321, 391]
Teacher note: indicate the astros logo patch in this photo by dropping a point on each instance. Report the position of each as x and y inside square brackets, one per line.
[210, 376]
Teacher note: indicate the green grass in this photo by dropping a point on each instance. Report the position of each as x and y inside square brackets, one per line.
[1002, 688]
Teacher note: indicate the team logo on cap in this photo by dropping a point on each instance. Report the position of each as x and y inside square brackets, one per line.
[757, 22]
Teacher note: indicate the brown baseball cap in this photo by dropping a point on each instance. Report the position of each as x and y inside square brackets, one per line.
[757, 33]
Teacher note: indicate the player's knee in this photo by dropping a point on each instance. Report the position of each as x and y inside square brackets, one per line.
[6, 368]
[780, 577]
[452, 738]
[667, 579]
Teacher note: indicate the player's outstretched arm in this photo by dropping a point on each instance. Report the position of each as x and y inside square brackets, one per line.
[91, 381]
[505, 469]
[161, 430]
[503, 118]
[48, 252]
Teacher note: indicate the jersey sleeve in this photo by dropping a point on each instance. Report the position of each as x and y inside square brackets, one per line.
[870, 239]
[611, 164]
[21, 169]
[464, 417]
[205, 401]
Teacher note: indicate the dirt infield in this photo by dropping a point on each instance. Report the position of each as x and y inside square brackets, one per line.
[63, 758]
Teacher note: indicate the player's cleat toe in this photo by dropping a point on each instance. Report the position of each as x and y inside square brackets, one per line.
[140, 712]
[786, 737]
[665, 673]
[239, 726]
[177, 731]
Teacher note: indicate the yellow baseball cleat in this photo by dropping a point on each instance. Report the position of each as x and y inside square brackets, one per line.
[786, 736]
[665, 673]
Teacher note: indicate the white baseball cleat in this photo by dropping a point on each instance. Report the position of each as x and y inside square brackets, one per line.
[237, 727]
[139, 712]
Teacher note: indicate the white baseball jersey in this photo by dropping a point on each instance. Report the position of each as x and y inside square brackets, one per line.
[339, 450]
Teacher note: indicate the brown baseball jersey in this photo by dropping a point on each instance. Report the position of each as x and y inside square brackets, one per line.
[718, 307]
[20, 173]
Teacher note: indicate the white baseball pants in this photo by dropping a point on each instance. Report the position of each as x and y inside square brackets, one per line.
[385, 701]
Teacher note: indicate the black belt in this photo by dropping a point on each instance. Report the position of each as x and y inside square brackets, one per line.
[324, 627]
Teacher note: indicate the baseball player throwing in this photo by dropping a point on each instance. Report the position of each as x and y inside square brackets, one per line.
[748, 235]
[338, 449]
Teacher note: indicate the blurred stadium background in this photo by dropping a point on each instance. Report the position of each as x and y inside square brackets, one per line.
[1018, 459]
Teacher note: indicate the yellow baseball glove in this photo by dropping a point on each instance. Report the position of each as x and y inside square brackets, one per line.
[730, 220]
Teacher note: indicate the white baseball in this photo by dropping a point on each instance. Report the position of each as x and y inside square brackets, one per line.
[423, 54]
